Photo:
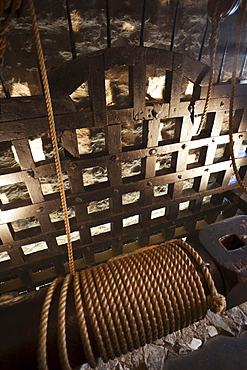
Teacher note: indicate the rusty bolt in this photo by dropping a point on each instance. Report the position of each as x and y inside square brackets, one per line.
[73, 166]
[116, 191]
[114, 158]
[149, 183]
[152, 151]
[79, 200]
[30, 173]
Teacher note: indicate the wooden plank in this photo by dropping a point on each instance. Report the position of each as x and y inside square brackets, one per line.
[160, 58]
[78, 72]
[223, 90]
[97, 90]
[210, 153]
[119, 115]
[9, 215]
[33, 106]
[83, 118]
[194, 70]
[242, 125]
[119, 56]
[176, 86]
[39, 125]
[8, 136]
[70, 143]
[113, 139]
[153, 132]
[26, 163]
[114, 172]
[137, 81]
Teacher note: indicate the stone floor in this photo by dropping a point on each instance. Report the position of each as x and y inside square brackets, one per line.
[218, 342]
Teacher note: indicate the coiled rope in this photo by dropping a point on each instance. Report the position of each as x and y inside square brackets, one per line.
[132, 300]
[232, 94]
[52, 129]
[213, 44]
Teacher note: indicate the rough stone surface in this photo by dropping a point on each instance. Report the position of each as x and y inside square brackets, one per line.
[153, 356]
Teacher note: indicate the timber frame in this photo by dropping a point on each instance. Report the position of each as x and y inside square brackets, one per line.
[210, 176]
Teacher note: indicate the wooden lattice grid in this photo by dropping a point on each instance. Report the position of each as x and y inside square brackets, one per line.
[179, 183]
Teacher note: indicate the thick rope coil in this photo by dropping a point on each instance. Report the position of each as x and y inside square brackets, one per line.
[232, 94]
[42, 351]
[213, 44]
[52, 128]
[131, 300]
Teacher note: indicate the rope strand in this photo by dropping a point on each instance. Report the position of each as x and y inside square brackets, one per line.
[52, 128]
[213, 45]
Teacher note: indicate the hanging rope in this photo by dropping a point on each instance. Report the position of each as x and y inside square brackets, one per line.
[132, 300]
[52, 133]
[213, 45]
[232, 94]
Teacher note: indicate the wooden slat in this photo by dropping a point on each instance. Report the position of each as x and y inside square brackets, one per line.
[97, 90]
[138, 84]
[176, 86]
[114, 171]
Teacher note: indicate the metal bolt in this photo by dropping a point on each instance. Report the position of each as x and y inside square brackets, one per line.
[183, 146]
[154, 113]
[40, 209]
[149, 183]
[152, 151]
[116, 191]
[73, 166]
[114, 158]
[30, 173]
[79, 200]
[179, 176]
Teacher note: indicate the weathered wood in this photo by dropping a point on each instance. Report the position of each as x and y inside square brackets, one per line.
[138, 84]
[186, 182]
[176, 86]
[97, 90]
[70, 143]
